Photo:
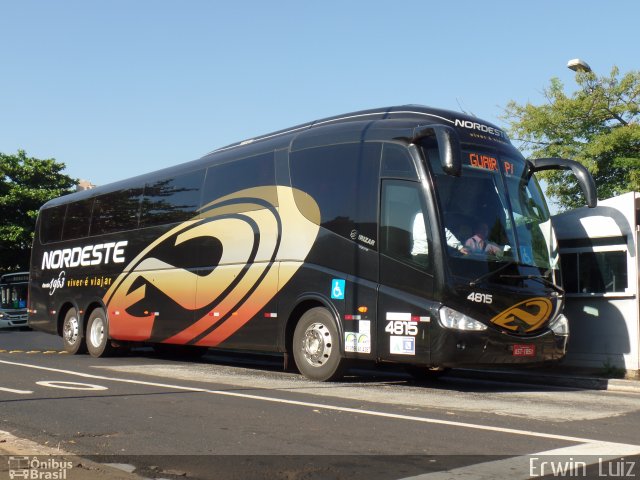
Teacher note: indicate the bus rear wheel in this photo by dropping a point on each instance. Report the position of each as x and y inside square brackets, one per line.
[98, 342]
[72, 334]
[316, 346]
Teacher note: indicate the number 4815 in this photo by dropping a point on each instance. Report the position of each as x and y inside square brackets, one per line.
[400, 327]
[480, 297]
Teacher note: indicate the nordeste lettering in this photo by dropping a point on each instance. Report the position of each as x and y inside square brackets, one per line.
[90, 255]
[479, 126]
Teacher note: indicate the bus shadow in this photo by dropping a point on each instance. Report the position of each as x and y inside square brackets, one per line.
[363, 374]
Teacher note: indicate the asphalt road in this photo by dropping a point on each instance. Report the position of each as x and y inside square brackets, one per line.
[220, 417]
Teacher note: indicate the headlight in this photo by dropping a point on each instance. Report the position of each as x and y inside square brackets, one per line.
[1, 315]
[560, 325]
[450, 318]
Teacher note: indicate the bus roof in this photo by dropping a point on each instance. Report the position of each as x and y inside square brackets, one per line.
[470, 128]
[14, 277]
[419, 113]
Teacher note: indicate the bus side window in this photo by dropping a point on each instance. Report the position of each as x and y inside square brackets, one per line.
[76, 221]
[51, 224]
[171, 200]
[232, 177]
[397, 162]
[343, 180]
[404, 224]
[116, 212]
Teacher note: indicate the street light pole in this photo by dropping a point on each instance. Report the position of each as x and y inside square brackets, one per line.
[578, 65]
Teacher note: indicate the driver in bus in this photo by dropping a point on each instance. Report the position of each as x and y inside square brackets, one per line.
[420, 244]
[478, 242]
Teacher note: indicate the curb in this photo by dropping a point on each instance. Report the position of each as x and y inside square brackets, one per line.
[547, 379]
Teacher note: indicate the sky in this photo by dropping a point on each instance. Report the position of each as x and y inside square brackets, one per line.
[118, 88]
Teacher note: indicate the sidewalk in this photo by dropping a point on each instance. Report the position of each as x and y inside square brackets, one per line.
[15, 453]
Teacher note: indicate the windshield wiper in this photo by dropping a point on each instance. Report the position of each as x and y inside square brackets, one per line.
[475, 282]
[541, 278]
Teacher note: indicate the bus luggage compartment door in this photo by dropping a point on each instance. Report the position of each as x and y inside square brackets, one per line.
[405, 313]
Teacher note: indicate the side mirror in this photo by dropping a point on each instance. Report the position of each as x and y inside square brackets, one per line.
[448, 146]
[585, 180]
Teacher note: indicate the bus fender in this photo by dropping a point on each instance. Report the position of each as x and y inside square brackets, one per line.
[62, 312]
[312, 300]
[92, 304]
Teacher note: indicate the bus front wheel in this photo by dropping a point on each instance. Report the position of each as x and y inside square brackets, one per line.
[316, 346]
[98, 342]
[72, 334]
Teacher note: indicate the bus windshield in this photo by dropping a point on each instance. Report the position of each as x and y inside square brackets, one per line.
[13, 296]
[493, 213]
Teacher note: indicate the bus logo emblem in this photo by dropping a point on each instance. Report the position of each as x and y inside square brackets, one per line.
[526, 316]
[243, 235]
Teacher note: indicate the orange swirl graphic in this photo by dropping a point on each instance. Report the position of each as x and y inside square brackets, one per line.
[155, 298]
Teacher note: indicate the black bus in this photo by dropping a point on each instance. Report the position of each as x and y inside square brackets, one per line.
[404, 234]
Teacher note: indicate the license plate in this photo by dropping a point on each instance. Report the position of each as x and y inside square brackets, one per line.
[524, 350]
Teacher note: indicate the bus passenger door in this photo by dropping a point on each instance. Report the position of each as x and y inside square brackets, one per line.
[406, 281]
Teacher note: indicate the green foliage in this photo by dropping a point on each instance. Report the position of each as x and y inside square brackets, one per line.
[598, 125]
[26, 183]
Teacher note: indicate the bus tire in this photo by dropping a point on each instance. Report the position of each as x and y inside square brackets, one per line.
[316, 346]
[72, 335]
[98, 342]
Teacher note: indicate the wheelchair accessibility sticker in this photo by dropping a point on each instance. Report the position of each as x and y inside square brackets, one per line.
[337, 289]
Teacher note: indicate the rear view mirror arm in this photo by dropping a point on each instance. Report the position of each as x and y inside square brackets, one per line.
[448, 146]
[585, 180]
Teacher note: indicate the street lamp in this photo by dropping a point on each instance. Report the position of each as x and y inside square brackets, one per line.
[578, 65]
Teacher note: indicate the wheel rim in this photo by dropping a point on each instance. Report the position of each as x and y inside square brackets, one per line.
[317, 344]
[71, 330]
[97, 332]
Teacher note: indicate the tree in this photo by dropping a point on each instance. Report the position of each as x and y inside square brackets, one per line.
[597, 126]
[26, 183]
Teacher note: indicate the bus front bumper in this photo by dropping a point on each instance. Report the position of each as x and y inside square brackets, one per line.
[457, 348]
[11, 320]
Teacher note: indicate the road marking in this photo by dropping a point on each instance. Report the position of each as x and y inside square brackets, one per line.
[31, 352]
[336, 408]
[71, 385]
[19, 392]
[541, 464]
